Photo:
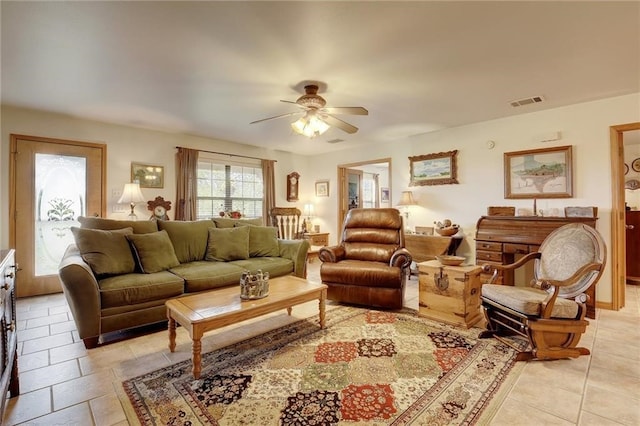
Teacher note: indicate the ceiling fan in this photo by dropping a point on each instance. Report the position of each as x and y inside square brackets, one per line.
[317, 117]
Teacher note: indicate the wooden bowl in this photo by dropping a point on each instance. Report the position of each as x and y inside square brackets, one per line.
[450, 260]
[447, 232]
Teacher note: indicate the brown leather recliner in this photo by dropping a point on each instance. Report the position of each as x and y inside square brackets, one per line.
[369, 266]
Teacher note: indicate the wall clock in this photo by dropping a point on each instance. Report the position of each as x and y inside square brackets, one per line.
[636, 165]
[159, 208]
[293, 182]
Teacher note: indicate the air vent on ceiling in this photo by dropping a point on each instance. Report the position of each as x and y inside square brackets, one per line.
[335, 140]
[527, 101]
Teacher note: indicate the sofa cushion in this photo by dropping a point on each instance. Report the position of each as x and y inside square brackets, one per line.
[106, 252]
[225, 222]
[154, 251]
[189, 238]
[207, 275]
[139, 227]
[132, 289]
[263, 241]
[228, 244]
[275, 266]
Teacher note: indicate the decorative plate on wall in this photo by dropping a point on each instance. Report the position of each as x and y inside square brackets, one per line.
[632, 184]
[626, 168]
[636, 165]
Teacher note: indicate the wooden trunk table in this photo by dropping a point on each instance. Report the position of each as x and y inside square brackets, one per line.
[202, 312]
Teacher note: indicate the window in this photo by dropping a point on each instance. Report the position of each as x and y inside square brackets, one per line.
[225, 186]
[368, 190]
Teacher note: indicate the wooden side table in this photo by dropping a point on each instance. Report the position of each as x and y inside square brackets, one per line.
[427, 247]
[317, 240]
[449, 294]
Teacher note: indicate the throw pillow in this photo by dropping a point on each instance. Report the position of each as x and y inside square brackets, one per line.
[263, 241]
[223, 222]
[139, 227]
[106, 252]
[189, 238]
[228, 244]
[154, 251]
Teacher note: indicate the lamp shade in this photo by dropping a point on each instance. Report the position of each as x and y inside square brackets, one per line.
[308, 210]
[131, 194]
[406, 199]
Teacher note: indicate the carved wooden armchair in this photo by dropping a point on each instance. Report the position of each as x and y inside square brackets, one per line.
[551, 312]
[287, 221]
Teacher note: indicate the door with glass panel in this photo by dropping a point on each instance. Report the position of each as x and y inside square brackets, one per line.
[53, 182]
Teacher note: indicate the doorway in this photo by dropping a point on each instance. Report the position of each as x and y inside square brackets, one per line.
[52, 182]
[618, 229]
[352, 188]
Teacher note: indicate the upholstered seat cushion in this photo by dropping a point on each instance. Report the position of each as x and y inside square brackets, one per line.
[361, 273]
[133, 289]
[527, 300]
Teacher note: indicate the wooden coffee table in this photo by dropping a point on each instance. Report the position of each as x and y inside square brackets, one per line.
[202, 312]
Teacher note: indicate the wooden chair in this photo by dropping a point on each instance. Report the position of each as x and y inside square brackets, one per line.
[287, 221]
[550, 313]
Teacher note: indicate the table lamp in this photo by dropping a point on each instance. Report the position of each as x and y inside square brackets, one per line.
[131, 194]
[406, 200]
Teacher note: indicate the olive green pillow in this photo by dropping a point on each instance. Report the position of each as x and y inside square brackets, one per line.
[139, 227]
[263, 241]
[154, 251]
[228, 244]
[106, 252]
[224, 222]
[189, 238]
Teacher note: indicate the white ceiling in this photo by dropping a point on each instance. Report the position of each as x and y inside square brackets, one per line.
[210, 68]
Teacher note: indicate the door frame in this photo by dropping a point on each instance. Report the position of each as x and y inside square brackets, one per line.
[13, 151]
[618, 249]
[343, 196]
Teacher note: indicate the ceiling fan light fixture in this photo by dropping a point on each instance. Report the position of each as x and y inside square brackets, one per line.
[310, 126]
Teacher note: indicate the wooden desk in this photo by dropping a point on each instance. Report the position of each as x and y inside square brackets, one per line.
[500, 238]
[427, 247]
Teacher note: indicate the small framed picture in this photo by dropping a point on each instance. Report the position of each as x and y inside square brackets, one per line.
[434, 169]
[384, 195]
[147, 175]
[322, 188]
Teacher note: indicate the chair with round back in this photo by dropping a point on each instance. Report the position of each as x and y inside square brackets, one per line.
[550, 313]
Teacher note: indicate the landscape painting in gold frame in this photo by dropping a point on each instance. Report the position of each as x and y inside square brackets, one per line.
[539, 173]
[433, 169]
[147, 175]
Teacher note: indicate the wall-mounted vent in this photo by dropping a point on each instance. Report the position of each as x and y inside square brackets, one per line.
[337, 140]
[527, 101]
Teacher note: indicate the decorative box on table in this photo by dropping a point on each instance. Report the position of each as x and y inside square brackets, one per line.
[450, 294]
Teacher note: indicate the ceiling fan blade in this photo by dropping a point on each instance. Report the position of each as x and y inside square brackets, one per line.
[346, 110]
[289, 102]
[336, 122]
[277, 116]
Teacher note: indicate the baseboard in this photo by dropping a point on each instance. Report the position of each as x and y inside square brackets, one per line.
[604, 305]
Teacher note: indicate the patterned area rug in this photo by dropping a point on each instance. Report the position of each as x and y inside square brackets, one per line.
[366, 368]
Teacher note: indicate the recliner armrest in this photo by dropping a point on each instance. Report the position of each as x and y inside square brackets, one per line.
[331, 254]
[401, 258]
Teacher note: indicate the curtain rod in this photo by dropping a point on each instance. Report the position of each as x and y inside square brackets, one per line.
[230, 155]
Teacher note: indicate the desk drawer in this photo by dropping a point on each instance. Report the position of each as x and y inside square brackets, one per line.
[488, 246]
[516, 248]
[492, 256]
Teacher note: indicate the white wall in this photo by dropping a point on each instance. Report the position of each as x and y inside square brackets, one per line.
[127, 144]
[480, 170]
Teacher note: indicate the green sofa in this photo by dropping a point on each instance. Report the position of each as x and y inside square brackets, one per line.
[119, 274]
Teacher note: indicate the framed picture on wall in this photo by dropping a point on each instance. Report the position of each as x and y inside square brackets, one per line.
[384, 195]
[322, 188]
[539, 173]
[433, 169]
[147, 175]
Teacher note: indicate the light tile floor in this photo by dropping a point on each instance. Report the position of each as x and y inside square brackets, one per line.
[63, 383]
